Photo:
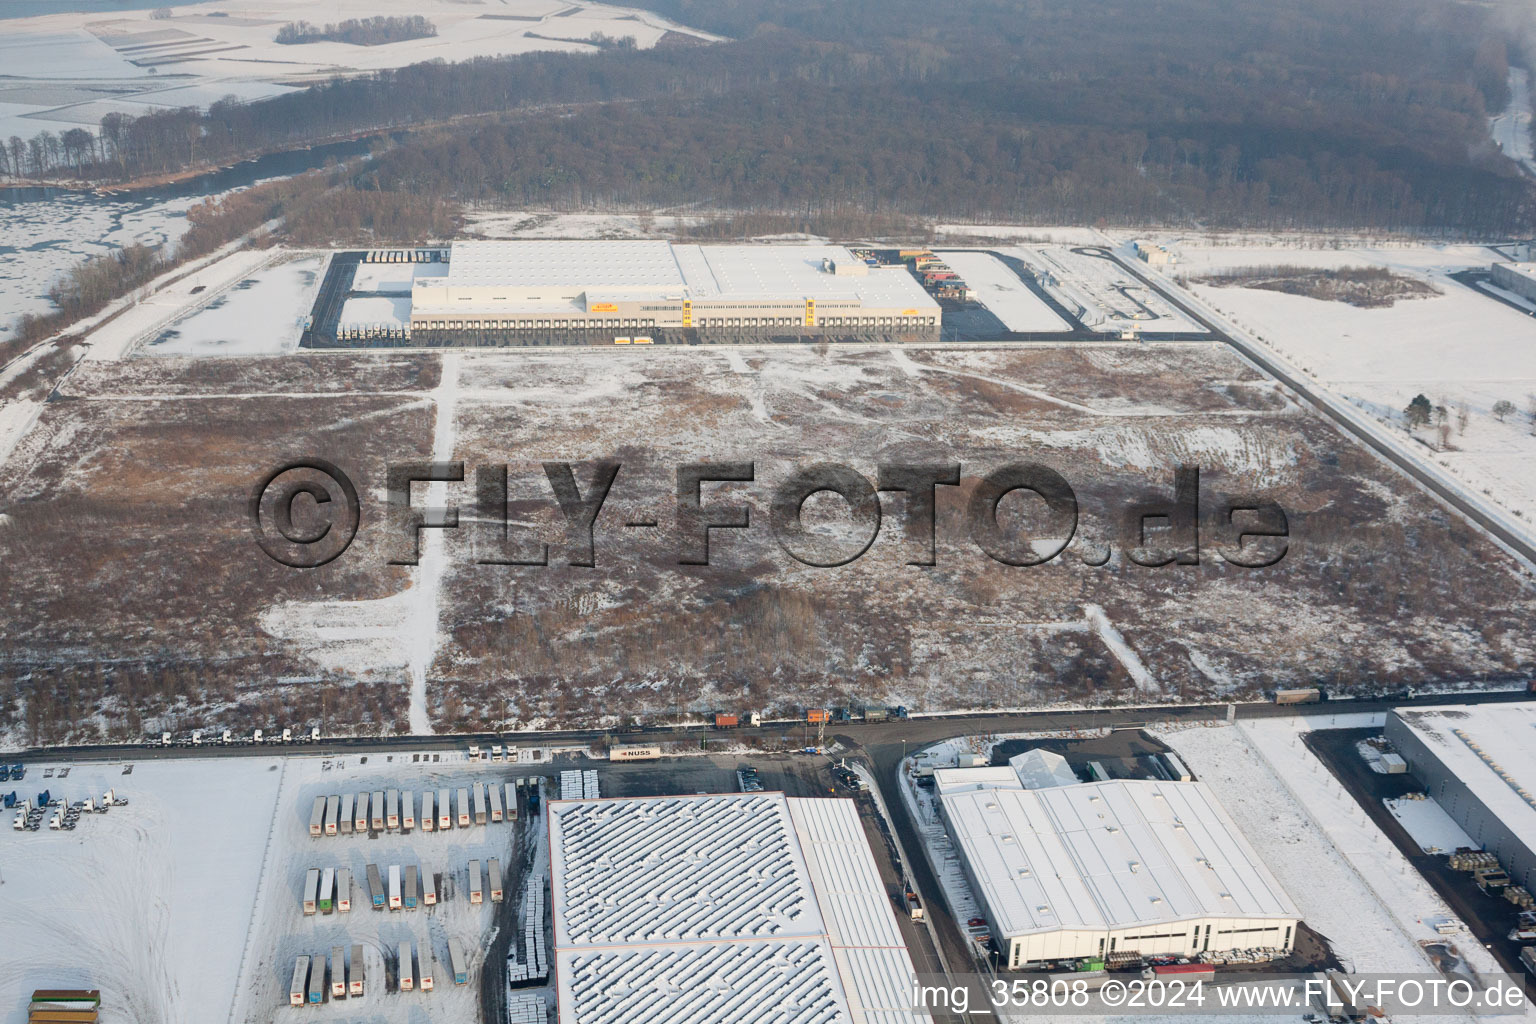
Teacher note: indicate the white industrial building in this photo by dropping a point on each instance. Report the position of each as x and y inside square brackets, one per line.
[565, 292]
[1108, 869]
[1478, 762]
[1519, 278]
[713, 908]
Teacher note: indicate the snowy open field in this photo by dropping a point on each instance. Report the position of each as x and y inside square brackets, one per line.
[1459, 348]
[151, 902]
[65, 70]
[262, 314]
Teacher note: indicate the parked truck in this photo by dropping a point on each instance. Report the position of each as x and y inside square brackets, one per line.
[332, 815]
[376, 894]
[376, 814]
[424, 975]
[476, 894]
[392, 810]
[311, 890]
[493, 794]
[395, 898]
[495, 873]
[1301, 695]
[408, 896]
[478, 802]
[463, 808]
[511, 799]
[360, 816]
[326, 903]
[338, 972]
[344, 818]
[428, 816]
[355, 970]
[317, 982]
[444, 812]
[428, 889]
[344, 890]
[407, 975]
[317, 817]
[408, 810]
[457, 965]
[299, 986]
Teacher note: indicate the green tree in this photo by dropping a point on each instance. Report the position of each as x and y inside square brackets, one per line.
[1502, 408]
[1419, 411]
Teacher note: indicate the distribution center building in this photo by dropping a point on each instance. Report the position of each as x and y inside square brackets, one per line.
[1113, 869]
[1519, 278]
[713, 908]
[602, 292]
[1478, 762]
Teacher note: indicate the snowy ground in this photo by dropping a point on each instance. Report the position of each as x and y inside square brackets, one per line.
[150, 902]
[262, 314]
[1350, 881]
[67, 70]
[1103, 294]
[1001, 291]
[1429, 825]
[1458, 348]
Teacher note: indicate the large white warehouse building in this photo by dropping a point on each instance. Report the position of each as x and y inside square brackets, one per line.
[569, 292]
[731, 909]
[1109, 869]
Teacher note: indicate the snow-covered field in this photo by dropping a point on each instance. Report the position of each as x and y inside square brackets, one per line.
[59, 64]
[150, 902]
[1001, 291]
[1458, 348]
[262, 314]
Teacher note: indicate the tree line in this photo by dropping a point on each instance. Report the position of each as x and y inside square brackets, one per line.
[375, 31]
[1239, 114]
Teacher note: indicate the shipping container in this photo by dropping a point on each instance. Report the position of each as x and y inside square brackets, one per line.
[1179, 971]
[463, 808]
[376, 894]
[317, 817]
[327, 886]
[511, 802]
[444, 812]
[493, 793]
[408, 810]
[360, 815]
[355, 971]
[457, 965]
[478, 802]
[726, 721]
[394, 887]
[338, 972]
[376, 813]
[311, 889]
[428, 889]
[407, 975]
[428, 815]
[409, 895]
[817, 715]
[392, 810]
[476, 893]
[344, 890]
[1394, 764]
[317, 982]
[300, 983]
[495, 873]
[332, 815]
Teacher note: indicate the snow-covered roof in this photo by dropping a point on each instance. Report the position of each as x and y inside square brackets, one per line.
[1106, 855]
[1041, 769]
[1523, 269]
[608, 266]
[1489, 747]
[713, 907]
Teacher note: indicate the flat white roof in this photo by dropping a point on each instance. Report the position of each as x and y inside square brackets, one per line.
[1523, 269]
[717, 907]
[598, 265]
[1491, 748]
[1106, 855]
